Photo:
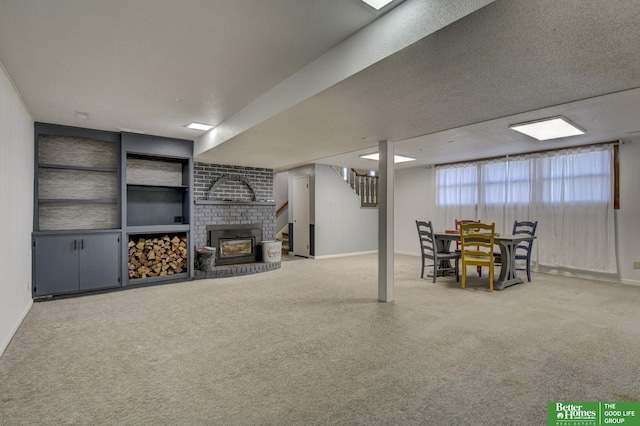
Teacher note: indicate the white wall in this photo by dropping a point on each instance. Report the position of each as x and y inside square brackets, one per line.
[414, 200]
[341, 225]
[16, 193]
[281, 195]
[627, 218]
[415, 195]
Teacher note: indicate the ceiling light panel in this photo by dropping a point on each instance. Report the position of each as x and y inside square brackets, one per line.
[199, 126]
[377, 4]
[548, 128]
[396, 158]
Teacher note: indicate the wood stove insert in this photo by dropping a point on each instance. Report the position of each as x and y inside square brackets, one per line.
[235, 243]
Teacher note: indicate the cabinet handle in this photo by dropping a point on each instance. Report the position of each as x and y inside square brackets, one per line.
[81, 244]
[75, 245]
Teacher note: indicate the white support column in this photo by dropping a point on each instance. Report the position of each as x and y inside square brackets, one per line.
[385, 223]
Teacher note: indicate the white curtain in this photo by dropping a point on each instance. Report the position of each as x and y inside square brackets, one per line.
[574, 208]
[568, 192]
[505, 193]
[456, 195]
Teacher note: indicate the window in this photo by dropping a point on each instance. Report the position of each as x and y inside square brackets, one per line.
[576, 178]
[569, 178]
[458, 186]
[566, 192]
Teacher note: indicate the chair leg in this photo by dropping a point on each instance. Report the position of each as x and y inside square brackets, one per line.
[491, 278]
[435, 270]
[422, 270]
[528, 271]
[479, 271]
[457, 270]
[464, 275]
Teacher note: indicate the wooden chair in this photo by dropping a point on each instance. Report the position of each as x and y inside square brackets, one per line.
[476, 248]
[458, 223]
[430, 251]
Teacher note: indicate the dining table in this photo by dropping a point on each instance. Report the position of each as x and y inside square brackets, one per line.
[507, 243]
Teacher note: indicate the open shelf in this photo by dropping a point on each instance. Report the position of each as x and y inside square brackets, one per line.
[157, 185]
[86, 169]
[156, 205]
[79, 200]
[157, 229]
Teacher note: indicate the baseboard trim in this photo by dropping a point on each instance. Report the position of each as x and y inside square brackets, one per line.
[358, 253]
[408, 253]
[7, 340]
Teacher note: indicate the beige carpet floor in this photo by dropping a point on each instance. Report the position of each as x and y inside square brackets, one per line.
[309, 344]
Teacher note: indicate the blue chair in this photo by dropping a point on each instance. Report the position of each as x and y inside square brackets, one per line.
[429, 249]
[523, 250]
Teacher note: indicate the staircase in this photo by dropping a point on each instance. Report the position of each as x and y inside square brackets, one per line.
[363, 183]
[285, 242]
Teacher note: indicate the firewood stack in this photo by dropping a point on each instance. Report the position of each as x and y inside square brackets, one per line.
[156, 257]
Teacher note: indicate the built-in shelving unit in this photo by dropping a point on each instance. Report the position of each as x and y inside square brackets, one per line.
[157, 176]
[99, 196]
[77, 235]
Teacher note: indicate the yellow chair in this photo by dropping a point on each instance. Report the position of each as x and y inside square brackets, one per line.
[476, 248]
[458, 223]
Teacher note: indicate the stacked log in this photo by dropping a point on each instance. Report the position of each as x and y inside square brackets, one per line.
[157, 257]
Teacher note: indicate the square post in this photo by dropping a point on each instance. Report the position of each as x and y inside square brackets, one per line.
[385, 223]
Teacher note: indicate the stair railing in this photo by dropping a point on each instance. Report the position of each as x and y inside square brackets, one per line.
[281, 208]
[365, 185]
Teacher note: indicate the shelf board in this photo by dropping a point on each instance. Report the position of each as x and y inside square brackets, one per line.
[149, 280]
[141, 186]
[86, 169]
[78, 231]
[79, 201]
[158, 229]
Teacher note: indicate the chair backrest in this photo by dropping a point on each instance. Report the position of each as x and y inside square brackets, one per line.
[477, 240]
[427, 242]
[462, 222]
[526, 228]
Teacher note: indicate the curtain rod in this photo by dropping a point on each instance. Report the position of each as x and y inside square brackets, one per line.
[541, 151]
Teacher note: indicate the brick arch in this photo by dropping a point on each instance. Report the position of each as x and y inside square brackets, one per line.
[222, 189]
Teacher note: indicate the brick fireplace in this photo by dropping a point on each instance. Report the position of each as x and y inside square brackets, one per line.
[233, 197]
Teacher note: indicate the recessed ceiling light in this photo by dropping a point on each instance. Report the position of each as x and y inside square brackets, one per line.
[199, 126]
[396, 158]
[82, 115]
[377, 4]
[548, 128]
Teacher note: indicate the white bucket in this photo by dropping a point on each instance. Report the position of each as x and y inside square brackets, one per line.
[271, 251]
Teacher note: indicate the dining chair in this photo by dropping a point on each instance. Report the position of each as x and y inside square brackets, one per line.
[523, 250]
[458, 223]
[476, 248]
[441, 259]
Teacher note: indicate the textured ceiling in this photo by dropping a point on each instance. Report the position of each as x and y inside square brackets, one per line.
[508, 58]
[155, 65]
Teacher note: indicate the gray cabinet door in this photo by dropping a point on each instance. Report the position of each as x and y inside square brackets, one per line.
[56, 264]
[99, 261]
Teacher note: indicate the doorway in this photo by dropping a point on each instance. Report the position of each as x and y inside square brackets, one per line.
[301, 216]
